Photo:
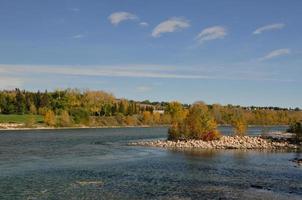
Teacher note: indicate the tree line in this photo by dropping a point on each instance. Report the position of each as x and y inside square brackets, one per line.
[98, 108]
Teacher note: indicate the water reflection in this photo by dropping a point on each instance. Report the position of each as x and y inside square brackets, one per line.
[205, 153]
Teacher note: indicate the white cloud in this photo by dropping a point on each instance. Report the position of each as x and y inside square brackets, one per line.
[211, 33]
[143, 24]
[30, 73]
[269, 27]
[171, 25]
[275, 53]
[143, 88]
[78, 36]
[10, 82]
[118, 17]
[102, 71]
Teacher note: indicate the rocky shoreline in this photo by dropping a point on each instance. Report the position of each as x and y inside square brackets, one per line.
[225, 142]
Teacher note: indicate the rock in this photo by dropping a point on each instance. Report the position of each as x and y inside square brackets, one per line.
[225, 142]
[298, 161]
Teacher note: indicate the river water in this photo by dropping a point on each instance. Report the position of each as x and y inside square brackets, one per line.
[98, 164]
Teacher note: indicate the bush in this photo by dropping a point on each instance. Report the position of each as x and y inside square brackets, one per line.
[213, 135]
[297, 129]
[65, 120]
[50, 118]
[239, 126]
[179, 131]
[198, 124]
[80, 115]
[30, 121]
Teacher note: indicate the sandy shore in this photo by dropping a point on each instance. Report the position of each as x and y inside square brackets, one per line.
[225, 142]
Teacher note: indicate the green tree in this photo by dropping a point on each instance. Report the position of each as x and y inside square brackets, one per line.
[20, 102]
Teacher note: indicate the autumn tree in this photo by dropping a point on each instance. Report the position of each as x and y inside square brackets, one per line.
[50, 118]
[93, 100]
[238, 122]
[65, 119]
[33, 109]
[147, 117]
[198, 124]
[176, 111]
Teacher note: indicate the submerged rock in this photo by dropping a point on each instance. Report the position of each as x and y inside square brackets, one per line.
[298, 161]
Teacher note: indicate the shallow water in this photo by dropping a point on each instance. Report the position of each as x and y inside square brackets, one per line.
[98, 164]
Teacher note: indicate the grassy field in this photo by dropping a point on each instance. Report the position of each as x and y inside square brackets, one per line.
[19, 118]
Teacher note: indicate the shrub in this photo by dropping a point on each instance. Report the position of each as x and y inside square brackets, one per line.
[198, 124]
[297, 129]
[30, 121]
[33, 109]
[65, 119]
[130, 120]
[177, 131]
[80, 115]
[239, 126]
[213, 135]
[50, 118]
[147, 118]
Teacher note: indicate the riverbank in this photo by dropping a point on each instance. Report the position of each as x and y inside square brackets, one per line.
[16, 128]
[225, 142]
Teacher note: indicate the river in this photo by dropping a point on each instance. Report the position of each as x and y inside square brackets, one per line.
[98, 164]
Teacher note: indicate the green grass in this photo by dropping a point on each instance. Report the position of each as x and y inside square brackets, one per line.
[19, 118]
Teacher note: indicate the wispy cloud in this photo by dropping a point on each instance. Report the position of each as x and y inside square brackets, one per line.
[143, 24]
[105, 71]
[171, 25]
[143, 88]
[276, 53]
[144, 71]
[118, 17]
[10, 82]
[211, 33]
[78, 36]
[269, 27]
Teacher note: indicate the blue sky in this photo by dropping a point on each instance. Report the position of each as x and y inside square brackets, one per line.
[238, 52]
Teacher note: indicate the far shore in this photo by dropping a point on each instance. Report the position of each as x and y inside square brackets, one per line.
[20, 126]
[76, 127]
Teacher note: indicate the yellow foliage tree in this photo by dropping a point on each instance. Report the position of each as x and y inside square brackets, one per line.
[147, 117]
[33, 109]
[65, 119]
[156, 118]
[239, 126]
[239, 122]
[93, 100]
[198, 124]
[176, 111]
[130, 120]
[50, 118]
